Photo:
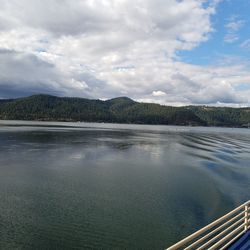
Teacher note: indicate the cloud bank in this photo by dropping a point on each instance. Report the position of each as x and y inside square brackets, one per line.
[108, 48]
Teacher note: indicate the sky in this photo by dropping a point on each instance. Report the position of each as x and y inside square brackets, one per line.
[172, 52]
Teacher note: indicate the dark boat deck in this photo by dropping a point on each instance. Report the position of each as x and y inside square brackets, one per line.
[243, 243]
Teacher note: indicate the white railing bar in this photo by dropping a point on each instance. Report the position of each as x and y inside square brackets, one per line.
[220, 234]
[217, 244]
[232, 240]
[246, 217]
[204, 229]
[213, 232]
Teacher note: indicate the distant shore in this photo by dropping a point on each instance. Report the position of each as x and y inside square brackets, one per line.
[121, 110]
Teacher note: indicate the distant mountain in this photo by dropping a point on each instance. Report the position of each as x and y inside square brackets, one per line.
[119, 110]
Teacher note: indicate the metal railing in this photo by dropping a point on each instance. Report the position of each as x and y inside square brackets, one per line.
[219, 234]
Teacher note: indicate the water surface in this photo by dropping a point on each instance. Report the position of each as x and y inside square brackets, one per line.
[106, 186]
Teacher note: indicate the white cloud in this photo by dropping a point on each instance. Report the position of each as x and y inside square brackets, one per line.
[233, 26]
[246, 44]
[158, 93]
[107, 48]
[26, 74]
[231, 38]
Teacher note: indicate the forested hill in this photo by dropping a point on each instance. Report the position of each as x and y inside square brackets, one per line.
[119, 110]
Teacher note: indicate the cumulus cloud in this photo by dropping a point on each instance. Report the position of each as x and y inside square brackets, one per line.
[107, 48]
[158, 93]
[25, 74]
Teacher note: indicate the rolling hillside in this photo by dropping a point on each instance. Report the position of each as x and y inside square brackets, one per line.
[119, 110]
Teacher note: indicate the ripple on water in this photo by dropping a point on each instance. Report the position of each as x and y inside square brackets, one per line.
[122, 187]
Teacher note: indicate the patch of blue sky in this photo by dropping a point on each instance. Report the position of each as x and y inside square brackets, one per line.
[124, 68]
[242, 87]
[218, 46]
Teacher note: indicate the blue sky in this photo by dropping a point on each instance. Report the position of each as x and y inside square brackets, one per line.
[217, 47]
[170, 52]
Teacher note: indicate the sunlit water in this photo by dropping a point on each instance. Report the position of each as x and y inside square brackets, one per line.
[103, 186]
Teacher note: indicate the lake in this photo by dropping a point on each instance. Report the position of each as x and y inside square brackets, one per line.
[109, 186]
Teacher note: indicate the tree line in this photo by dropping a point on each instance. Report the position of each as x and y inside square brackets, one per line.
[119, 110]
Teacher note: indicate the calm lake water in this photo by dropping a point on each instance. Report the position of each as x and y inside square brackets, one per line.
[105, 186]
